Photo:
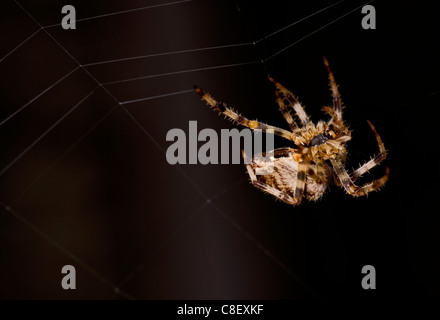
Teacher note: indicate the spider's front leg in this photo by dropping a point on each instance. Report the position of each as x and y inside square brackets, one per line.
[229, 113]
[284, 94]
[297, 188]
[286, 112]
[336, 113]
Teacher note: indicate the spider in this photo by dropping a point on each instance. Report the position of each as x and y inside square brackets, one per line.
[306, 170]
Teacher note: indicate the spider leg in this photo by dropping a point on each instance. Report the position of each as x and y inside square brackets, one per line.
[349, 185]
[337, 103]
[330, 111]
[345, 179]
[286, 112]
[300, 181]
[376, 184]
[232, 115]
[286, 95]
[374, 161]
[282, 195]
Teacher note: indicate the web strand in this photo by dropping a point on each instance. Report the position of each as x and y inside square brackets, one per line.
[297, 21]
[158, 146]
[26, 150]
[122, 12]
[68, 253]
[173, 236]
[155, 55]
[92, 18]
[26, 40]
[36, 97]
[313, 32]
[182, 72]
[263, 249]
[158, 96]
[64, 154]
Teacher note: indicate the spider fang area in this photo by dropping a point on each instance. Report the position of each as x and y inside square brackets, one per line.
[318, 140]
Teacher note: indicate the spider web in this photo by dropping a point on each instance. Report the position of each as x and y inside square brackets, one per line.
[84, 178]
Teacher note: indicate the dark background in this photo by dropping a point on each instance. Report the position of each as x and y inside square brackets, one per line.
[95, 190]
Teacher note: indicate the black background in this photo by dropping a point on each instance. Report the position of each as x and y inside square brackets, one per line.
[96, 192]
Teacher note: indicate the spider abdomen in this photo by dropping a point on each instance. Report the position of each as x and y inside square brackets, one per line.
[317, 184]
[285, 178]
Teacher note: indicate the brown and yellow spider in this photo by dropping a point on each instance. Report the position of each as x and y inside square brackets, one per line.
[306, 169]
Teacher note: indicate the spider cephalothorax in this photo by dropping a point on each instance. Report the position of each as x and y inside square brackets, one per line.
[323, 141]
[306, 169]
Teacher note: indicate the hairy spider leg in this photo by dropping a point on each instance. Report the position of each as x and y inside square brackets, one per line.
[349, 185]
[282, 195]
[286, 112]
[378, 183]
[292, 101]
[374, 161]
[300, 181]
[337, 103]
[232, 115]
[330, 111]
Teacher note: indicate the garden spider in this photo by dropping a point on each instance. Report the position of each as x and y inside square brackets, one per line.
[306, 169]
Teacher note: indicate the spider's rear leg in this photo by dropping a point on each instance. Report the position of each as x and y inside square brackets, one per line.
[374, 161]
[280, 194]
[349, 185]
[286, 95]
[232, 115]
[376, 184]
